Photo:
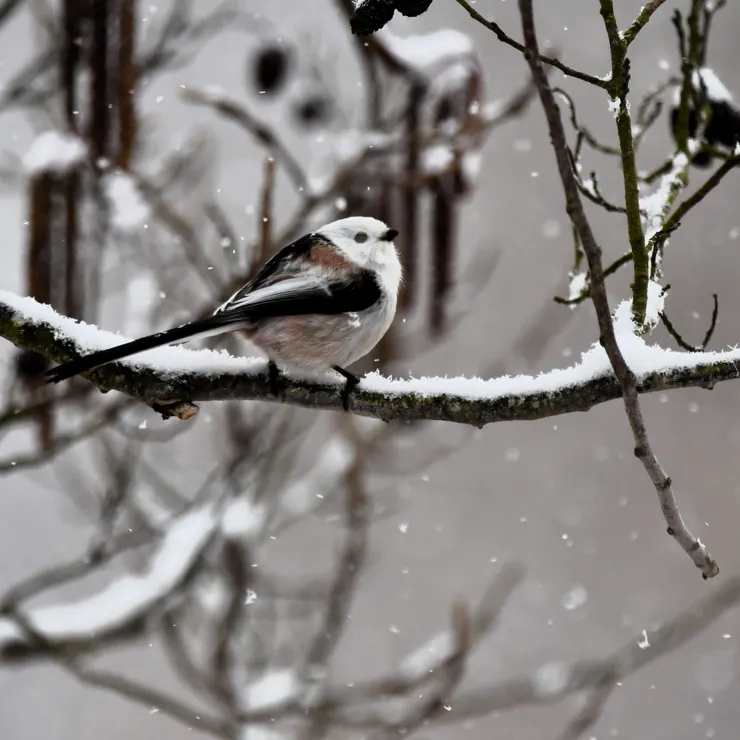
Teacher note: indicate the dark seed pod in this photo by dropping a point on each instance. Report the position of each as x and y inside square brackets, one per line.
[313, 110]
[29, 365]
[370, 16]
[412, 8]
[271, 64]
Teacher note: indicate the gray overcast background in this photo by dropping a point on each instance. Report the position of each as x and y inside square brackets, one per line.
[565, 496]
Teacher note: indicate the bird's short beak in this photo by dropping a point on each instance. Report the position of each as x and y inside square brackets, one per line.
[389, 235]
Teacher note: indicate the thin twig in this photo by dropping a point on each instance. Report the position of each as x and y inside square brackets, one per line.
[502, 36]
[618, 88]
[579, 675]
[264, 134]
[589, 715]
[626, 378]
[150, 697]
[645, 14]
[707, 336]
[266, 215]
[697, 197]
[63, 441]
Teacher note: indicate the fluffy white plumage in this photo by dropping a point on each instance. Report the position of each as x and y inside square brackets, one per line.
[375, 254]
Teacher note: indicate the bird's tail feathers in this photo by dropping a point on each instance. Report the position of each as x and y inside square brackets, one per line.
[210, 326]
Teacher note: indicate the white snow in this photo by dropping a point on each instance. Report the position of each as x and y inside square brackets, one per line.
[129, 210]
[656, 205]
[436, 159]
[258, 732]
[242, 520]
[352, 143]
[576, 285]
[273, 689]
[167, 359]
[575, 597]
[655, 303]
[54, 151]
[453, 78]
[129, 596]
[428, 52]
[426, 658]
[551, 679]
[472, 163]
[210, 94]
[716, 91]
[643, 359]
[213, 594]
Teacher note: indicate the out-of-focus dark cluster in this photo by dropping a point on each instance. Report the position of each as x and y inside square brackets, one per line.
[370, 16]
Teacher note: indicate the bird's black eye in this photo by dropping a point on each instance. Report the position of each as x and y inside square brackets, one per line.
[360, 237]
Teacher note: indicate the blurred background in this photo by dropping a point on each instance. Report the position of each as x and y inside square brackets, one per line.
[214, 134]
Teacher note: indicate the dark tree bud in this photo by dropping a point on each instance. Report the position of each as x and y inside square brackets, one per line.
[370, 16]
[412, 8]
[724, 125]
[30, 365]
[270, 71]
[313, 110]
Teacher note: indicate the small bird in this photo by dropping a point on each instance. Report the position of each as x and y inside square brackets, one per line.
[723, 126]
[320, 303]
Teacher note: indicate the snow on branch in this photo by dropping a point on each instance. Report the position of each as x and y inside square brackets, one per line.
[54, 151]
[171, 374]
[124, 602]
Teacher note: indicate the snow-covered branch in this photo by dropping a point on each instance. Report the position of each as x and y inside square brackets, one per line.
[175, 374]
[120, 607]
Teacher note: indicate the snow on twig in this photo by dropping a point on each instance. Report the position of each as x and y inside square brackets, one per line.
[190, 375]
[127, 598]
[54, 151]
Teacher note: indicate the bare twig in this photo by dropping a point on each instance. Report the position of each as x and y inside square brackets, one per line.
[502, 36]
[265, 135]
[589, 715]
[266, 215]
[64, 440]
[707, 337]
[148, 696]
[579, 675]
[451, 674]
[697, 197]
[626, 378]
[646, 13]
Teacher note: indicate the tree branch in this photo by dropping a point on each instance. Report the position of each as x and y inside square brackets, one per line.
[186, 376]
[646, 13]
[628, 382]
[506, 39]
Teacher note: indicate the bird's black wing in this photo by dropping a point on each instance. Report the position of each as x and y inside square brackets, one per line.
[291, 297]
[286, 261]
[301, 296]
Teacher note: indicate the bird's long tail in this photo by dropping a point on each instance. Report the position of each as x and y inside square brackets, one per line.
[209, 326]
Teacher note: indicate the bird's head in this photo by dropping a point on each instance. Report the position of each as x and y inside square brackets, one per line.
[368, 242]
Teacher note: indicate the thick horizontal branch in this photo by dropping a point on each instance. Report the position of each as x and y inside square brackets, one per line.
[175, 375]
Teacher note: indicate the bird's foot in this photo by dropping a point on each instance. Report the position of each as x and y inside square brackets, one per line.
[274, 379]
[352, 381]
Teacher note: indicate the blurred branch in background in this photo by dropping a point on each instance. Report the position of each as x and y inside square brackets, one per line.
[228, 619]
